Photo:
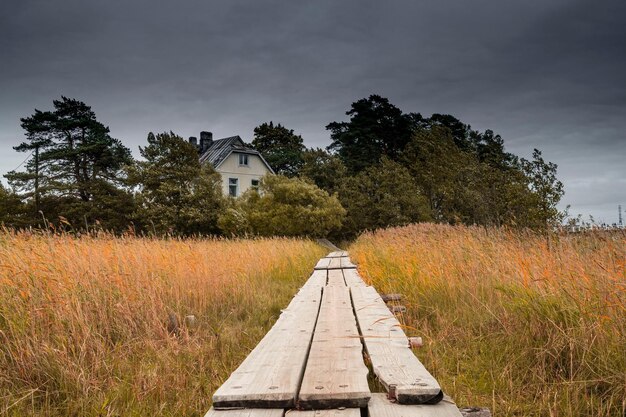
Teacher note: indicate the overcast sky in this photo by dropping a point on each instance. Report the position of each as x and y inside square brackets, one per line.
[543, 74]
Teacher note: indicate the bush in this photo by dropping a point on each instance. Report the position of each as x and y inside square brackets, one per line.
[284, 206]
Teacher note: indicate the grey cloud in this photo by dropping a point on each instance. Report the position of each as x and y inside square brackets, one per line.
[542, 74]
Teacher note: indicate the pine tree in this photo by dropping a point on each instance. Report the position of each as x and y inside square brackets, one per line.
[77, 168]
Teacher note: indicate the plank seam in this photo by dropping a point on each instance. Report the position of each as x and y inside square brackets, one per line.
[308, 352]
[361, 337]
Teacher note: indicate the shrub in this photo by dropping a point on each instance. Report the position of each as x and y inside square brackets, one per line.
[284, 206]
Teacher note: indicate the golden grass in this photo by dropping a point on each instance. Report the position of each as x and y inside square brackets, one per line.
[521, 323]
[83, 321]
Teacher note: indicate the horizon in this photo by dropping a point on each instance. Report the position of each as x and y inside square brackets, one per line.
[546, 76]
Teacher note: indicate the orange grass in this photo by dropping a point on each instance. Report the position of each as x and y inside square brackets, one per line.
[525, 324]
[83, 321]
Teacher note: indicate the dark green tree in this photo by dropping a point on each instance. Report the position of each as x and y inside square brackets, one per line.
[484, 186]
[380, 196]
[323, 168]
[446, 175]
[177, 195]
[462, 135]
[546, 188]
[76, 169]
[376, 128]
[280, 147]
[13, 212]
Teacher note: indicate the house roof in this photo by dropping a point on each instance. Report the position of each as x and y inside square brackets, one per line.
[220, 149]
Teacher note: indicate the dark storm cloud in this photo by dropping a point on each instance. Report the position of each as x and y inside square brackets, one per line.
[542, 74]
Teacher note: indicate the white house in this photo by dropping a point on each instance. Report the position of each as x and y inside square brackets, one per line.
[241, 167]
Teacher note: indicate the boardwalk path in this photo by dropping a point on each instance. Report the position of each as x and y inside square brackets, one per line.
[313, 358]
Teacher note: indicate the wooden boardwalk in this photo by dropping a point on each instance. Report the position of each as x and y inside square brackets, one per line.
[311, 362]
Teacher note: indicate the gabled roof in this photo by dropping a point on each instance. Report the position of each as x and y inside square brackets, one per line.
[220, 149]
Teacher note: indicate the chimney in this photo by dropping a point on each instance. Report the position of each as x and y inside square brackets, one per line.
[193, 140]
[206, 139]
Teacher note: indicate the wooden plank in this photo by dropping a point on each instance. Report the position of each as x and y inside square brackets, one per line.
[335, 375]
[337, 254]
[391, 297]
[323, 263]
[343, 412]
[246, 412]
[335, 278]
[335, 263]
[352, 278]
[270, 376]
[388, 348]
[380, 406]
[317, 279]
[347, 263]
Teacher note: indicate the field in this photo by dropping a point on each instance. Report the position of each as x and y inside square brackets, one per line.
[84, 321]
[524, 324]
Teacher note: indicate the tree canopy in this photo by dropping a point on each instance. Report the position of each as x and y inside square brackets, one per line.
[176, 195]
[323, 168]
[77, 170]
[376, 128]
[281, 148]
[380, 196]
[384, 167]
[466, 176]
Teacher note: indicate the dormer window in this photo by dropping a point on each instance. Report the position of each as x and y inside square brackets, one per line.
[243, 159]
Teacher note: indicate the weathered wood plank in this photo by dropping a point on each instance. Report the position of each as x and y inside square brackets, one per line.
[352, 278]
[391, 297]
[335, 374]
[475, 412]
[337, 254]
[343, 412]
[270, 376]
[323, 263]
[246, 412]
[335, 263]
[388, 348]
[335, 278]
[380, 406]
[347, 263]
[317, 279]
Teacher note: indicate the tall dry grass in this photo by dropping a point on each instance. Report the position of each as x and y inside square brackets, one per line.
[526, 324]
[84, 321]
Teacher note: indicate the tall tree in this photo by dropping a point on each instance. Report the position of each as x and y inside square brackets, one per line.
[445, 173]
[76, 163]
[380, 196]
[280, 147]
[376, 128]
[176, 195]
[323, 168]
[545, 186]
[12, 209]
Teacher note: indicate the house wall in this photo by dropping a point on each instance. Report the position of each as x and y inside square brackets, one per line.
[230, 168]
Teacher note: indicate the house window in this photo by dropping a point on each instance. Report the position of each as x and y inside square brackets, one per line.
[255, 184]
[243, 159]
[233, 184]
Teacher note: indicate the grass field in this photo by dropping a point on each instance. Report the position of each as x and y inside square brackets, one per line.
[523, 324]
[84, 321]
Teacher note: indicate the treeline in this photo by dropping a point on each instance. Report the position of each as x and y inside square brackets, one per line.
[390, 168]
[383, 168]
